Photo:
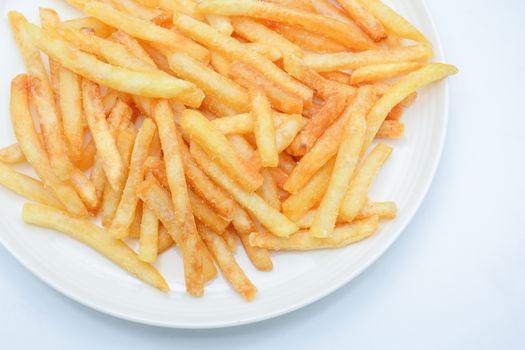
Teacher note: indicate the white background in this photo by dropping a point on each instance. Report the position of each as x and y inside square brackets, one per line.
[455, 278]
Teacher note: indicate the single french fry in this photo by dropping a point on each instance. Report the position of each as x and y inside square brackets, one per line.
[187, 7]
[224, 258]
[85, 189]
[286, 162]
[145, 30]
[268, 216]
[234, 50]
[263, 128]
[351, 60]
[302, 5]
[220, 23]
[345, 164]
[217, 146]
[269, 51]
[357, 193]
[158, 58]
[27, 186]
[364, 19]
[12, 154]
[325, 147]
[391, 129]
[118, 78]
[211, 82]
[111, 197]
[149, 233]
[307, 40]
[317, 125]
[165, 240]
[171, 143]
[310, 194]
[329, 9]
[338, 76]
[249, 78]
[99, 28]
[128, 202]
[345, 33]
[135, 9]
[230, 237]
[96, 238]
[106, 146]
[392, 21]
[243, 123]
[304, 240]
[33, 150]
[42, 97]
[158, 200]
[258, 33]
[206, 215]
[384, 210]
[134, 228]
[89, 152]
[382, 71]
[220, 63]
[269, 191]
[132, 45]
[407, 85]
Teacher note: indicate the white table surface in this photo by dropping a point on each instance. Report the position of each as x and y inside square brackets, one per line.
[455, 279]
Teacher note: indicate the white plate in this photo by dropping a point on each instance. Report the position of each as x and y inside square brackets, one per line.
[298, 279]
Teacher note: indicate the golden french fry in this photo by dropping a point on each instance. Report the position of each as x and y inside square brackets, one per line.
[95, 237]
[307, 40]
[145, 30]
[407, 85]
[33, 150]
[268, 216]
[111, 197]
[338, 76]
[345, 33]
[329, 9]
[268, 191]
[211, 82]
[171, 143]
[364, 19]
[134, 228]
[187, 7]
[310, 194]
[104, 141]
[249, 78]
[85, 189]
[165, 240]
[234, 50]
[158, 200]
[12, 154]
[304, 240]
[286, 162]
[220, 23]
[345, 164]
[243, 123]
[303, 5]
[133, 46]
[42, 97]
[263, 128]
[136, 9]
[118, 78]
[149, 235]
[269, 51]
[88, 156]
[224, 258]
[391, 129]
[325, 147]
[100, 29]
[217, 146]
[27, 186]
[356, 195]
[220, 63]
[258, 33]
[392, 21]
[384, 210]
[206, 215]
[329, 62]
[128, 202]
[384, 71]
[317, 125]
[230, 237]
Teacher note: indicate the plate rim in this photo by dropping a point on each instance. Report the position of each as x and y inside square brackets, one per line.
[63, 289]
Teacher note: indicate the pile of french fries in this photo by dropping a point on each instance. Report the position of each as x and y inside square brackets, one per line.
[191, 124]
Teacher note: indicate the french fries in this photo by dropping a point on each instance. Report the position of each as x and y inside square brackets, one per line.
[356, 195]
[264, 129]
[286, 97]
[346, 161]
[304, 240]
[216, 145]
[345, 33]
[95, 237]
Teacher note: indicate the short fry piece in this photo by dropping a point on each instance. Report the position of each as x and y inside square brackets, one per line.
[391, 129]
[12, 154]
[216, 145]
[95, 237]
[364, 19]
[264, 129]
[304, 240]
[224, 258]
[356, 196]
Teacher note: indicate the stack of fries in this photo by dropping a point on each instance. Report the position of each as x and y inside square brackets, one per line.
[193, 123]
